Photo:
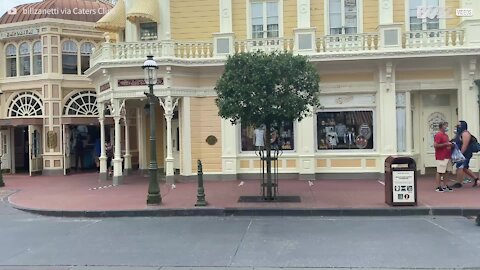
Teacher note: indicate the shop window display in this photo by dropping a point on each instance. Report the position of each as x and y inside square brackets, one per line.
[345, 130]
[282, 136]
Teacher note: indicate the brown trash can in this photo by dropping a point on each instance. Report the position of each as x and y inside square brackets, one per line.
[400, 181]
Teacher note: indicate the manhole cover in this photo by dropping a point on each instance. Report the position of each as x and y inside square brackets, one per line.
[258, 199]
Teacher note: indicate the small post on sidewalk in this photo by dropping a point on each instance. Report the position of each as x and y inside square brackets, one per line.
[200, 191]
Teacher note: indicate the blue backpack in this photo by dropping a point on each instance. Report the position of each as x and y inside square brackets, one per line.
[474, 145]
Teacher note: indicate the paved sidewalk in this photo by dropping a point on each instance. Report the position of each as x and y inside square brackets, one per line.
[84, 195]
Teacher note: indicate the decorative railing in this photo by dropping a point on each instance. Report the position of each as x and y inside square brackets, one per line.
[433, 38]
[348, 43]
[266, 45]
[417, 40]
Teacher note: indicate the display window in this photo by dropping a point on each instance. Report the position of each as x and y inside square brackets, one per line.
[253, 138]
[338, 130]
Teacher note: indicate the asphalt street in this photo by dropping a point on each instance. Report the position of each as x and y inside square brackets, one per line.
[179, 243]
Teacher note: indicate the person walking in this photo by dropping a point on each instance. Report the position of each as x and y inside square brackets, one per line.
[464, 139]
[443, 151]
[109, 152]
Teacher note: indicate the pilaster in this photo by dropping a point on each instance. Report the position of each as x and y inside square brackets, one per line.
[229, 148]
[386, 106]
[186, 141]
[117, 161]
[169, 105]
[306, 147]
[52, 129]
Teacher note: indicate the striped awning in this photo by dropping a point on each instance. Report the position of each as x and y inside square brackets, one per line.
[114, 20]
[144, 9]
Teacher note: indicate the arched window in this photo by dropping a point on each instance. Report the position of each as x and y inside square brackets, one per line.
[37, 57]
[24, 59]
[11, 57]
[26, 104]
[85, 52]
[82, 103]
[69, 57]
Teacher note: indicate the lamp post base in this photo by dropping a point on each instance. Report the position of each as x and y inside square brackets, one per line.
[154, 199]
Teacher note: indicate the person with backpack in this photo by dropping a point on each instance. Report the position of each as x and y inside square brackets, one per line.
[468, 144]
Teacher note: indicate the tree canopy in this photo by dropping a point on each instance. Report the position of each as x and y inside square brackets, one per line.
[266, 88]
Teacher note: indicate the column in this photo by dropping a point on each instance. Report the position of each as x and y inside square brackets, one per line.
[305, 141]
[127, 157]
[142, 150]
[168, 106]
[103, 154]
[386, 112]
[408, 109]
[468, 101]
[117, 161]
[186, 131]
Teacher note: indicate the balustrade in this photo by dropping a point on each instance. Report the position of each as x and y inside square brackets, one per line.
[433, 38]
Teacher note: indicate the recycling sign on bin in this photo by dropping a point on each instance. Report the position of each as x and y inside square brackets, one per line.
[403, 186]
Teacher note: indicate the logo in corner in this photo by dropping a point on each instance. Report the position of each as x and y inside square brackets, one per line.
[12, 11]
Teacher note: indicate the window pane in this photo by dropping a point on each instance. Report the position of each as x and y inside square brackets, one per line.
[69, 47]
[283, 137]
[148, 31]
[11, 50]
[69, 64]
[257, 10]
[86, 48]
[345, 130]
[24, 49]
[11, 67]
[25, 66]
[85, 63]
[37, 47]
[272, 9]
[37, 64]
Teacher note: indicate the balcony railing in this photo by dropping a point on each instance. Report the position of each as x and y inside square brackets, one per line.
[331, 44]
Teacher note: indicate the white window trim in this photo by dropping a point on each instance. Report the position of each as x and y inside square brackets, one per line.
[326, 17]
[252, 153]
[355, 109]
[249, 17]
[442, 21]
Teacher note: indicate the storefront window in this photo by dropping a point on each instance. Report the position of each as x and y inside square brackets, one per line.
[345, 130]
[283, 137]
[148, 31]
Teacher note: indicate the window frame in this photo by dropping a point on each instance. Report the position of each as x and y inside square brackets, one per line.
[12, 57]
[249, 17]
[252, 152]
[35, 54]
[349, 109]
[85, 54]
[140, 38]
[326, 17]
[20, 57]
[442, 22]
[77, 54]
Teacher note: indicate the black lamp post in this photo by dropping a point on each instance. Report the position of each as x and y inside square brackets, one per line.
[2, 184]
[150, 67]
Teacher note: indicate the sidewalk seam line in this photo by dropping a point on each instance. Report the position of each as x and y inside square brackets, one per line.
[240, 243]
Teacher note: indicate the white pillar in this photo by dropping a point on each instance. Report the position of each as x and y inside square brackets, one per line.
[305, 145]
[385, 13]
[117, 161]
[127, 156]
[103, 154]
[303, 13]
[168, 106]
[142, 151]
[409, 131]
[225, 16]
[386, 114]
[229, 150]
[186, 140]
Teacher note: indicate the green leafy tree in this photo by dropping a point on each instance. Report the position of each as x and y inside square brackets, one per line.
[267, 88]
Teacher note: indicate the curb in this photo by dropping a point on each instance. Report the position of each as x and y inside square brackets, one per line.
[221, 212]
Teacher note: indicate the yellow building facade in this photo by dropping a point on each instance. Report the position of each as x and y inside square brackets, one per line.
[390, 71]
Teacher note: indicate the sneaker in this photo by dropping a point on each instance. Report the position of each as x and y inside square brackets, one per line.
[456, 185]
[447, 188]
[467, 180]
[439, 189]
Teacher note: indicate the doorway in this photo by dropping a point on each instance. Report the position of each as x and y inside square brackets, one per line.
[21, 158]
[437, 106]
[81, 145]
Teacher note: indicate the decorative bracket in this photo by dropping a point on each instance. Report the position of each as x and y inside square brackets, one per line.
[169, 105]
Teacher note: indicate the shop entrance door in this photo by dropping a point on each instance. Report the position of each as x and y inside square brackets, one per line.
[176, 144]
[66, 149]
[35, 149]
[5, 149]
[436, 108]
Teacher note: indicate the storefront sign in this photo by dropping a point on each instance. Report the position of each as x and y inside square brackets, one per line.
[104, 87]
[403, 186]
[19, 33]
[136, 82]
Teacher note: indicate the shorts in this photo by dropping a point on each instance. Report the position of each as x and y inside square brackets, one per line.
[442, 165]
[464, 165]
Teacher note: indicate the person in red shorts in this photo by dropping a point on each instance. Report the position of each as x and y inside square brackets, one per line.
[443, 150]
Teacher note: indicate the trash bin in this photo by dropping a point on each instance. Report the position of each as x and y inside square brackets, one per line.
[400, 181]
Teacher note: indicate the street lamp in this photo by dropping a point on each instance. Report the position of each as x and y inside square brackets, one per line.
[150, 67]
[2, 184]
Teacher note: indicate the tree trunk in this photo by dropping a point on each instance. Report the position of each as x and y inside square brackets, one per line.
[268, 147]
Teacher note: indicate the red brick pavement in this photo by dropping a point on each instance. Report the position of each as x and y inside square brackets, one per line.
[76, 193]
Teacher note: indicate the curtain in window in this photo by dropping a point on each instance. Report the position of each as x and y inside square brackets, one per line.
[335, 16]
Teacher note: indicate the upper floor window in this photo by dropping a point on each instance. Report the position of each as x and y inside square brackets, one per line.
[148, 31]
[85, 52]
[37, 58]
[24, 59]
[265, 19]
[11, 60]
[417, 22]
[343, 16]
[69, 57]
